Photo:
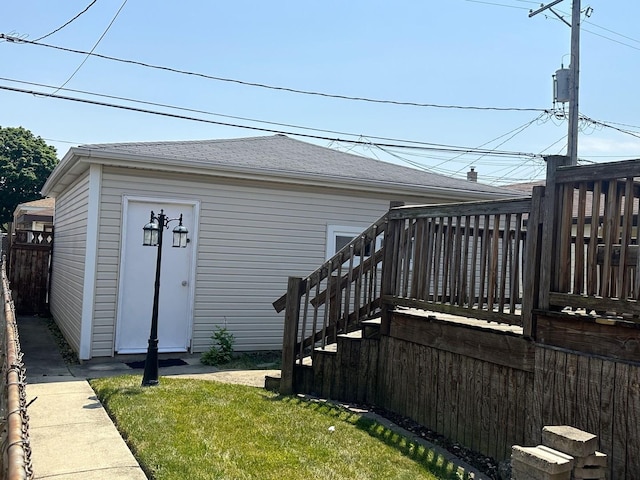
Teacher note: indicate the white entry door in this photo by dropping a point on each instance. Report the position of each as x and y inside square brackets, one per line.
[137, 279]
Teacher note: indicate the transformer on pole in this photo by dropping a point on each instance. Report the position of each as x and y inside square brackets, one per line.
[566, 82]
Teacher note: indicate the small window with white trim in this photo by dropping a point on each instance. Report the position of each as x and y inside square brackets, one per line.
[338, 236]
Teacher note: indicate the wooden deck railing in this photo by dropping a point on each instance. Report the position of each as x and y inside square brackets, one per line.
[464, 259]
[594, 242]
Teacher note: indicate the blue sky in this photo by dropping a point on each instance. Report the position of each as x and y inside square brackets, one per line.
[453, 52]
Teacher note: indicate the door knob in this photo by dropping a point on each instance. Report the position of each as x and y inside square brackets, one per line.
[184, 283]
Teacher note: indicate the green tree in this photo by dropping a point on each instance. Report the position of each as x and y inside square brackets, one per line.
[25, 163]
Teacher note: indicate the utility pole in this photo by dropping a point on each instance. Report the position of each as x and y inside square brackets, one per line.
[572, 146]
[574, 77]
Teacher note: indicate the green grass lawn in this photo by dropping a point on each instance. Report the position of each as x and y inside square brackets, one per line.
[195, 429]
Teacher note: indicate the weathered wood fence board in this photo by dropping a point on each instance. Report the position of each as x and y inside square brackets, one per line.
[29, 277]
[482, 405]
[485, 405]
[594, 394]
[29, 269]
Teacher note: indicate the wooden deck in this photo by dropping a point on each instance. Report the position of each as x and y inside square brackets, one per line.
[496, 318]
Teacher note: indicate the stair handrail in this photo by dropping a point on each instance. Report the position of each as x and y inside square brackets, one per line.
[343, 255]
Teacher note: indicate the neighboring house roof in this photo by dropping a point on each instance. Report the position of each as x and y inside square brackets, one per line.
[270, 157]
[35, 211]
[525, 187]
[44, 206]
[37, 204]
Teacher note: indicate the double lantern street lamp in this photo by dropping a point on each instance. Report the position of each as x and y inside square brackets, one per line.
[153, 238]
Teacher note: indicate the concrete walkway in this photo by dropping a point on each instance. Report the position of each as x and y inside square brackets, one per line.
[72, 437]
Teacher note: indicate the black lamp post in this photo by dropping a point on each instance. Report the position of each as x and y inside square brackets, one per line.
[153, 238]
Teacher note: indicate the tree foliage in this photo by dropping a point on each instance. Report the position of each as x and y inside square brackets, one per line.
[25, 163]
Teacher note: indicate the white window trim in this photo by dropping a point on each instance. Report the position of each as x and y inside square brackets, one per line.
[334, 231]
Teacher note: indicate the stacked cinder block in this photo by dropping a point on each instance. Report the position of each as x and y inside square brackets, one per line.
[588, 463]
[540, 463]
[566, 454]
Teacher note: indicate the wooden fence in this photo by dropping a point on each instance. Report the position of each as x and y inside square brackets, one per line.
[595, 263]
[595, 394]
[29, 270]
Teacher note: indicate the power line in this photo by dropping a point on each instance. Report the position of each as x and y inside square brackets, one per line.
[611, 39]
[513, 133]
[621, 124]
[601, 35]
[288, 125]
[492, 179]
[554, 144]
[517, 130]
[497, 4]
[611, 31]
[613, 127]
[193, 110]
[93, 48]
[14, 39]
[421, 146]
[69, 22]
[565, 13]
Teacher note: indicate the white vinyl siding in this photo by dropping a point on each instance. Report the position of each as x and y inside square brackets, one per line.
[251, 238]
[69, 249]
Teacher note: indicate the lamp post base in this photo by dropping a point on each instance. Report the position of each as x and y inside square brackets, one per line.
[150, 377]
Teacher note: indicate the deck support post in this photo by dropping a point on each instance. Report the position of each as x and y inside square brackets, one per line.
[290, 336]
[533, 254]
[549, 220]
[388, 272]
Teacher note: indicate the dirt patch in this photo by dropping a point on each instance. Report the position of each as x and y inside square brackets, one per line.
[69, 355]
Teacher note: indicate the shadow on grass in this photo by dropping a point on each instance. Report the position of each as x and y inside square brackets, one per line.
[432, 461]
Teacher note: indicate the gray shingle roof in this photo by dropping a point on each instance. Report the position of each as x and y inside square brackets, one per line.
[279, 153]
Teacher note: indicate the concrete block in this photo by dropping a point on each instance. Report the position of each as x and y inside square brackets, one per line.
[598, 459]
[558, 453]
[576, 443]
[544, 460]
[523, 471]
[589, 473]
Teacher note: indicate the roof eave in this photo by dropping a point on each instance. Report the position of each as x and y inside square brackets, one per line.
[78, 159]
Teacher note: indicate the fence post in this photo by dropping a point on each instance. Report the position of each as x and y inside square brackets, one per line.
[290, 336]
[531, 274]
[549, 221]
[386, 286]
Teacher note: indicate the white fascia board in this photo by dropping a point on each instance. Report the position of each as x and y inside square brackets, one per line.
[53, 186]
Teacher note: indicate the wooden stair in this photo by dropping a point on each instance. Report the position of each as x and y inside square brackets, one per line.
[334, 367]
[371, 328]
[343, 370]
